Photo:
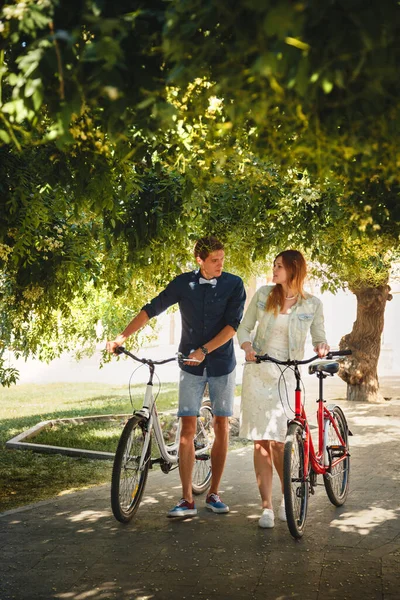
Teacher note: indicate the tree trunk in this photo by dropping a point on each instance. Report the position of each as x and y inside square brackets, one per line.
[360, 370]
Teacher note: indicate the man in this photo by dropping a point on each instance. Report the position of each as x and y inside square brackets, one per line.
[211, 304]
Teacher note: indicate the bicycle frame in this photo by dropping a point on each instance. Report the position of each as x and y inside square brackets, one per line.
[320, 461]
[169, 453]
[149, 410]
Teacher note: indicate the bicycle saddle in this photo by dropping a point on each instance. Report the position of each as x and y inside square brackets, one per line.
[330, 367]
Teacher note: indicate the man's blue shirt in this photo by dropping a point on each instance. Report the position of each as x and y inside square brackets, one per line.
[205, 311]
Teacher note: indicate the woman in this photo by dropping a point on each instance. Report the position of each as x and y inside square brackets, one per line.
[285, 313]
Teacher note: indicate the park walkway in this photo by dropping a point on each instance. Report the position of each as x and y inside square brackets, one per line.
[71, 548]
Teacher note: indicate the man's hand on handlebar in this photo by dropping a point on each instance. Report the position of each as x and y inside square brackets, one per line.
[113, 345]
[196, 357]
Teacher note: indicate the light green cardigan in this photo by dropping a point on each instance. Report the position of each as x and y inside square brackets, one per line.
[306, 315]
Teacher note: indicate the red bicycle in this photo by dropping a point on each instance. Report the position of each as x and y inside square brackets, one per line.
[302, 462]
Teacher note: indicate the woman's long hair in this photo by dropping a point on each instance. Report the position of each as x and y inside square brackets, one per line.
[296, 270]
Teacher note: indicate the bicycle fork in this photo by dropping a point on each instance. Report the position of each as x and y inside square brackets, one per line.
[145, 413]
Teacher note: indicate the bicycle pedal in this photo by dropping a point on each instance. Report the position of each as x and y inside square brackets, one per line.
[313, 478]
[349, 432]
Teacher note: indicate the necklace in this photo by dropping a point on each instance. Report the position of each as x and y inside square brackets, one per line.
[290, 297]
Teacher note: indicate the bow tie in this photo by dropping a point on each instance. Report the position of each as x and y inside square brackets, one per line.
[212, 282]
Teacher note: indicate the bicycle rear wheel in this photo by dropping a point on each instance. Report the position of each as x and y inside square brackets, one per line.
[295, 482]
[128, 477]
[337, 480]
[203, 441]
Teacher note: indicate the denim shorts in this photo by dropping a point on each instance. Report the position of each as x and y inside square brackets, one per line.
[191, 390]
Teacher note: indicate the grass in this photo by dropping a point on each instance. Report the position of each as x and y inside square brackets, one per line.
[102, 436]
[28, 477]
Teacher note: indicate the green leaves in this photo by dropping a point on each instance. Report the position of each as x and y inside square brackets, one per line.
[4, 137]
[126, 135]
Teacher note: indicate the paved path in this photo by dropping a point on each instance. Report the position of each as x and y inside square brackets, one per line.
[71, 548]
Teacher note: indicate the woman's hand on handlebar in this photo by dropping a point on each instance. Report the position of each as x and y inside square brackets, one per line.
[250, 353]
[322, 349]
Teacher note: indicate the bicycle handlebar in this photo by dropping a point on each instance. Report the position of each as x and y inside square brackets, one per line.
[148, 361]
[331, 354]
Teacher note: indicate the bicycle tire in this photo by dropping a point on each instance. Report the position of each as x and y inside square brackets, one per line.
[204, 437]
[128, 481]
[337, 480]
[295, 482]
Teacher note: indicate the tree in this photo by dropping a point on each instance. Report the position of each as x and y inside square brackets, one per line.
[329, 101]
[66, 267]
[227, 106]
[343, 251]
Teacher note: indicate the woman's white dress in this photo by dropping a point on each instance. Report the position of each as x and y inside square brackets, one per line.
[264, 410]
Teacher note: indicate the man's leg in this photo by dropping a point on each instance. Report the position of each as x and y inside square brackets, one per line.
[219, 451]
[186, 455]
[191, 389]
[222, 391]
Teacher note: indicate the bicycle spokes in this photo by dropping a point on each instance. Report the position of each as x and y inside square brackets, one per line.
[296, 484]
[336, 480]
[201, 476]
[131, 465]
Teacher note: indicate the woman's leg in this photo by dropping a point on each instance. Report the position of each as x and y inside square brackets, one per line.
[263, 469]
[277, 449]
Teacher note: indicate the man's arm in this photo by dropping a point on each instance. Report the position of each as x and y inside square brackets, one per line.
[220, 339]
[137, 323]
[165, 299]
[235, 306]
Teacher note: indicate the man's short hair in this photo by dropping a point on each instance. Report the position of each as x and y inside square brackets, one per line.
[205, 245]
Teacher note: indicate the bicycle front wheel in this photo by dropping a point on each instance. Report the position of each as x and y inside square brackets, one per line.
[337, 479]
[203, 441]
[295, 482]
[129, 473]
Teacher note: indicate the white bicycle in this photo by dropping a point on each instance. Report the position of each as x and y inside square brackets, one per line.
[133, 457]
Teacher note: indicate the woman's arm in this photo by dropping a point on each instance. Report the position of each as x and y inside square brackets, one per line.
[249, 320]
[317, 331]
[246, 327]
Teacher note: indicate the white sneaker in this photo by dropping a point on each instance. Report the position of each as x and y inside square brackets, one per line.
[282, 511]
[267, 519]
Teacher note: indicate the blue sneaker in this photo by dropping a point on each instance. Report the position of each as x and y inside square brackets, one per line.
[183, 509]
[214, 503]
